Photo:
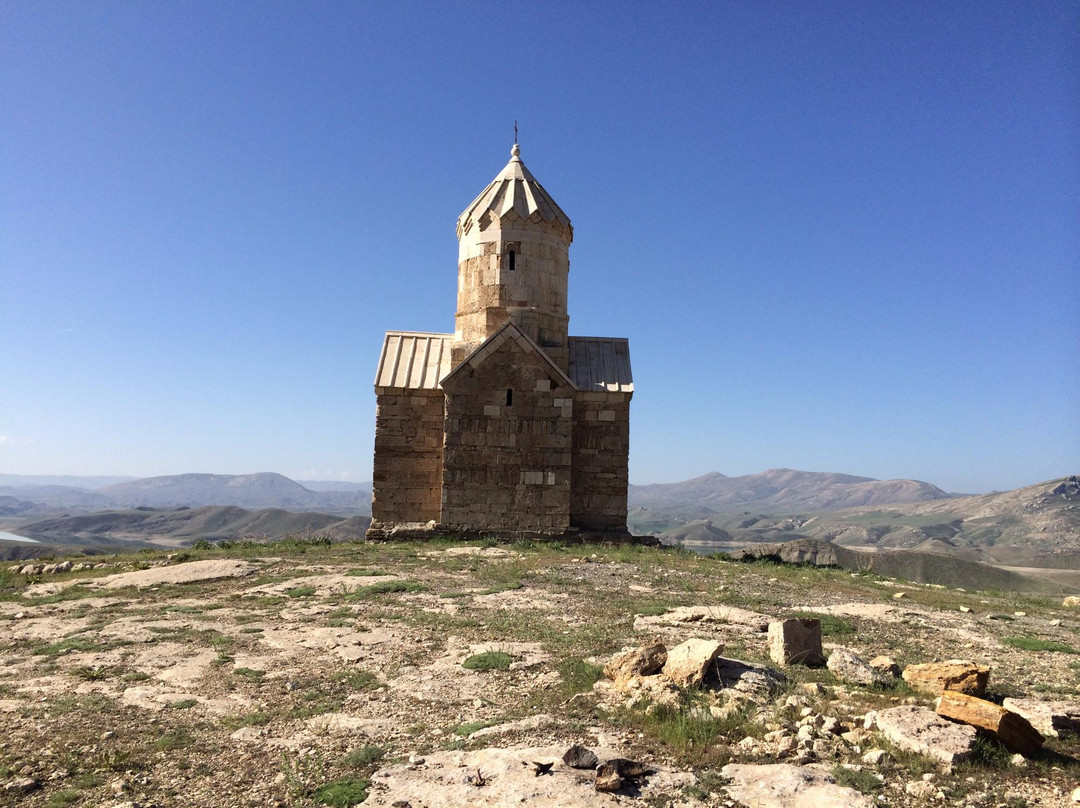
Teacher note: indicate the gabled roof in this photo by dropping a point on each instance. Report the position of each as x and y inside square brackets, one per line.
[507, 332]
[600, 364]
[514, 189]
[413, 360]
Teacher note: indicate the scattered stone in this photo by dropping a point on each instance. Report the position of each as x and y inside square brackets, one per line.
[1018, 760]
[922, 731]
[21, 785]
[886, 665]
[580, 757]
[958, 675]
[876, 757]
[1011, 729]
[849, 668]
[782, 785]
[1076, 795]
[899, 595]
[688, 663]
[1050, 718]
[612, 774]
[920, 789]
[1071, 602]
[796, 641]
[965, 609]
[644, 661]
[756, 682]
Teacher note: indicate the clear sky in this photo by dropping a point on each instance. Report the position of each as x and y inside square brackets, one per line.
[840, 236]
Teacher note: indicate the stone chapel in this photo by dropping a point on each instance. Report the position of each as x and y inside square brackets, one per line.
[508, 425]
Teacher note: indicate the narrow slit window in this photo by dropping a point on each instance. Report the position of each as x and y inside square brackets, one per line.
[510, 392]
[511, 261]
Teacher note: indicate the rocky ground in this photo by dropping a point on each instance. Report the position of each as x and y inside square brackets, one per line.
[427, 675]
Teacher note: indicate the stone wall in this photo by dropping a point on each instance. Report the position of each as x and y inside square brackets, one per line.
[601, 446]
[408, 457]
[506, 466]
[532, 294]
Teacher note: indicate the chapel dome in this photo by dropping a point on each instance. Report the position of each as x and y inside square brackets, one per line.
[515, 189]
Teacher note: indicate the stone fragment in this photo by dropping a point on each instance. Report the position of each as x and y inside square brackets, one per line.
[580, 757]
[782, 785]
[922, 731]
[612, 774]
[959, 675]
[644, 661]
[1050, 718]
[920, 789]
[899, 595]
[796, 641]
[876, 757]
[755, 682]
[886, 665]
[688, 663]
[849, 668]
[1072, 602]
[1013, 730]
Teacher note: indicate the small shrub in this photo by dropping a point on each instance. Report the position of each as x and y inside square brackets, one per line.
[862, 780]
[183, 704]
[341, 793]
[67, 796]
[364, 756]
[358, 679]
[170, 741]
[652, 611]
[249, 673]
[256, 719]
[509, 586]
[1034, 644]
[488, 661]
[831, 625]
[300, 592]
[365, 572]
[578, 676]
[465, 730]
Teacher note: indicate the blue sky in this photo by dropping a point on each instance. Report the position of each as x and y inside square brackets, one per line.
[840, 236]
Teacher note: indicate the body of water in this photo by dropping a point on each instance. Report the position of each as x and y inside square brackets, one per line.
[12, 537]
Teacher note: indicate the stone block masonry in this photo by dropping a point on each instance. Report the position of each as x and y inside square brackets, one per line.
[508, 424]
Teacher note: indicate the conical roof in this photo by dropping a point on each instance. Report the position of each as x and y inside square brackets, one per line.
[515, 188]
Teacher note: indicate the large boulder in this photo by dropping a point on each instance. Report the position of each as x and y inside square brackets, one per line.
[687, 664]
[797, 640]
[1050, 718]
[1013, 731]
[922, 731]
[847, 667]
[644, 661]
[958, 675]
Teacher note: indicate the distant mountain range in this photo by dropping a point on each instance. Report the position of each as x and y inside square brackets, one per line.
[1038, 526]
[253, 491]
[777, 491]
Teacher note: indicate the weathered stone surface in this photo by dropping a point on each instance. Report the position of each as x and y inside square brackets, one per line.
[1071, 602]
[782, 785]
[580, 757]
[1050, 718]
[796, 641]
[1013, 730]
[190, 572]
[442, 780]
[959, 675]
[727, 615]
[847, 667]
[688, 663]
[886, 665]
[644, 661]
[920, 730]
[757, 682]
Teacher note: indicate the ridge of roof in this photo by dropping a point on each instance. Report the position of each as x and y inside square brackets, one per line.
[488, 346]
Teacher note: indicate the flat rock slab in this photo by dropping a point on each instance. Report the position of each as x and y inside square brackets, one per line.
[688, 663]
[1051, 718]
[189, 573]
[958, 675]
[449, 780]
[729, 615]
[922, 731]
[781, 785]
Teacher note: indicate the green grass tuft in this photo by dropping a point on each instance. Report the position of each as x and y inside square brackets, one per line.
[488, 661]
[1034, 644]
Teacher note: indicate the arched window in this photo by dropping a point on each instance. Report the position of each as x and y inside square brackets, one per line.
[510, 261]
